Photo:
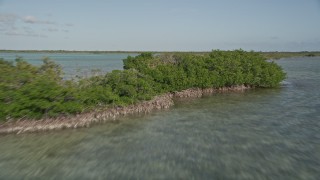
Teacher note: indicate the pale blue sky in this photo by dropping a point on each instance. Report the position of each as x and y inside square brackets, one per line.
[160, 25]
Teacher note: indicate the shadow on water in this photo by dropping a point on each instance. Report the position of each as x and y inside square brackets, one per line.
[258, 134]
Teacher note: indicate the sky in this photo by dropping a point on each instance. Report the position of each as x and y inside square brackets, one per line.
[160, 25]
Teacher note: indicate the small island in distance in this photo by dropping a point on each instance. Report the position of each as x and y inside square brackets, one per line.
[38, 98]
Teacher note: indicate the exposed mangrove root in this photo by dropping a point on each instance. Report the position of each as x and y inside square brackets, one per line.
[86, 119]
[198, 92]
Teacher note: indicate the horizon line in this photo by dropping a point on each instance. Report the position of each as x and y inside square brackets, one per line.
[136, 51]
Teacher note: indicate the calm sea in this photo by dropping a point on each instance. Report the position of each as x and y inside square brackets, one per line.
[258, 134]
[83, 64]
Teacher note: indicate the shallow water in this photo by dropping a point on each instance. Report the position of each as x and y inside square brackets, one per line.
[75, 63]
[259, 134]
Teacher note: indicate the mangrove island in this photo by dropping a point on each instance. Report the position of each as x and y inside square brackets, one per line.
[36, 98]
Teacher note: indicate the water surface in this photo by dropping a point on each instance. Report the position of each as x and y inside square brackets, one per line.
[73, 64]
[259, 134]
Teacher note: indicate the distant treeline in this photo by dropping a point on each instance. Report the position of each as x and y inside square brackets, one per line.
[279, 55]
[65, 51]
[31, 92]
[268, 55]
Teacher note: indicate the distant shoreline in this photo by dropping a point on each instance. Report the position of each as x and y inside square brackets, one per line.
[93, 52]
[273, 55]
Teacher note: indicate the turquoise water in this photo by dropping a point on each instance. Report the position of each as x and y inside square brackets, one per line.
[258, 134]
[75, 63]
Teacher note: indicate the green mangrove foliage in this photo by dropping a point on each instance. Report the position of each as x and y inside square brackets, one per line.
[174, 72]
[32, 92]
